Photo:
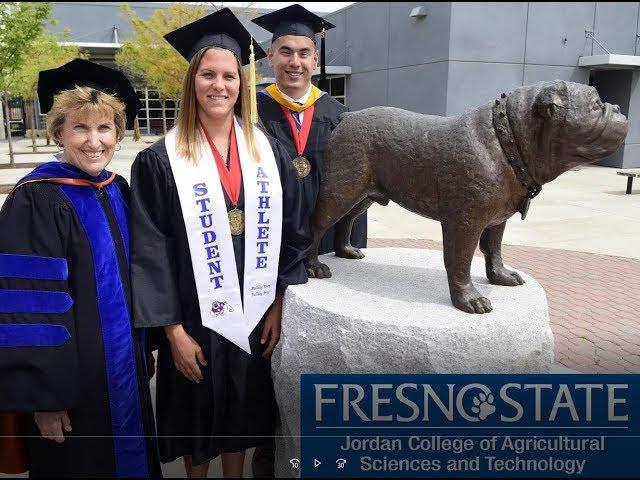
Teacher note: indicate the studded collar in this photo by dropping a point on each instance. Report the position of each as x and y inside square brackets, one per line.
[509, 146]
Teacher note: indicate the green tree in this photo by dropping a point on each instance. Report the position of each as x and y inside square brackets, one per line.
[20, 25]
[149, 57]
[45, 53]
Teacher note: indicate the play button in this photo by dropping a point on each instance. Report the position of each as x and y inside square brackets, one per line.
[316, 463]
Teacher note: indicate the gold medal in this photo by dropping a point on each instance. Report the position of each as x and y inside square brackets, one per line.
[236, 221]
[302, 166]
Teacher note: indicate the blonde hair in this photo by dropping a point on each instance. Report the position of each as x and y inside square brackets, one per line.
[82, 100]
[188, 137]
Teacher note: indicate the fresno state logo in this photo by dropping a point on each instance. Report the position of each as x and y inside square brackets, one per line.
[220, 308]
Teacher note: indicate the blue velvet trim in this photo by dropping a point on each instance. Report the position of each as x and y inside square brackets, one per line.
[62, 170]
[121, 212]
[31, 266]
[34, 301]
[33, 335]
[126, 419]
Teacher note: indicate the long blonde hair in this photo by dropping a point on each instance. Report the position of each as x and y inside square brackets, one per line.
[189, 138]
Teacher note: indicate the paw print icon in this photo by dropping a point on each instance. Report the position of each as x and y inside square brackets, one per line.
[340, 463]
[483, 405]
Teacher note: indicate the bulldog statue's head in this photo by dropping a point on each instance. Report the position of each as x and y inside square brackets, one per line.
[559, 125]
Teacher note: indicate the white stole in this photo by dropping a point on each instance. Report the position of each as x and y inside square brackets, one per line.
[209, 235]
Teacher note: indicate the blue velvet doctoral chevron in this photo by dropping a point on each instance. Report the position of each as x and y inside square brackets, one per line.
[34, 267]
[33, 335]
[124, 399]
[34, 301]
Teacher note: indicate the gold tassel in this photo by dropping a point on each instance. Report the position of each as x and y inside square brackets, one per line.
[136, 129]
[252, 85]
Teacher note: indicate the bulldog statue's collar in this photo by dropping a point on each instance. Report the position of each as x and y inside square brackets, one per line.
[508, 143]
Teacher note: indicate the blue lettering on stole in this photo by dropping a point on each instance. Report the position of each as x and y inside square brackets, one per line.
[209, 235]
[261, 247]
[200, 189]
[263, 207]
[263, 186]
[263, 233]
[263, 202]
[261, 219]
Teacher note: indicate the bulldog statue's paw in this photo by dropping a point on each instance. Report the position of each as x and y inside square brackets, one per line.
[506, 277]
[316, 269]
[349, 252]
[469, 300]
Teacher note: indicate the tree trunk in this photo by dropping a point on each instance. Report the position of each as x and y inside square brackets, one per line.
[5, 101]
[33, 126]
[164, 116]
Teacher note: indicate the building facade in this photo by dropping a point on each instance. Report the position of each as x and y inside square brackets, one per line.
[445, 58]
[439, 58]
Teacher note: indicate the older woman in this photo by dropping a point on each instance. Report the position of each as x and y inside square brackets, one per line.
[68, 354]
[216, 238]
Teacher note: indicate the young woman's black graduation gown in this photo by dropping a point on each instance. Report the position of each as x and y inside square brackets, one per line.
[233, 407]
[68, 242]
[327, 111]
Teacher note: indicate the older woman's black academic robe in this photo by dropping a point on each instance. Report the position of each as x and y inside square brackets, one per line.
[326, 117]
[233, 407]
[66, 340]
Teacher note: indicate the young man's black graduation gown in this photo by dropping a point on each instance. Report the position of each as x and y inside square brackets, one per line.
[325, 119]
[233, 407]
[70, 240]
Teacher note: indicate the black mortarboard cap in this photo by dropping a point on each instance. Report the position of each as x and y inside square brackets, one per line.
[84, 73]
[219, 29]
[293, 20]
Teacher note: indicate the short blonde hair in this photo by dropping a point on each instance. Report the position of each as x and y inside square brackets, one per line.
[188, 137]
[81, 100]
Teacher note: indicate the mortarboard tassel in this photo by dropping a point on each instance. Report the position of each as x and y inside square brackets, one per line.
[252, 85]
[136, 129]
[322, 84]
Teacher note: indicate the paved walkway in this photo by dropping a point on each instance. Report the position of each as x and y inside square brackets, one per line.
[594, 303]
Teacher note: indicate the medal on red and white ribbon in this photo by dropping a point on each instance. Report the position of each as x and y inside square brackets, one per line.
[231, 179]
[300, 137]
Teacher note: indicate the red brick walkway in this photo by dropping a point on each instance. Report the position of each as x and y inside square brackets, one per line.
[594, 303]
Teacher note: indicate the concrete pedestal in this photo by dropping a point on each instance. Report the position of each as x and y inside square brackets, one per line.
[391, 313]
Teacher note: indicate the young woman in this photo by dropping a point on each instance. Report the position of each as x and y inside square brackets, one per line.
[217, 236]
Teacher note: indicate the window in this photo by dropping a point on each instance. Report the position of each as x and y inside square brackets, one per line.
[336, 88]
[150, 116]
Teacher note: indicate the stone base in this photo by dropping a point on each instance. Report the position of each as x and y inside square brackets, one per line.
[391, 313]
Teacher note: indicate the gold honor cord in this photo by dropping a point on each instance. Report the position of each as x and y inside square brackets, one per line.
[252, 85]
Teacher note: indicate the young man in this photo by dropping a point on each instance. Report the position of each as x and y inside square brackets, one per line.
[301, 117]
[297, 113]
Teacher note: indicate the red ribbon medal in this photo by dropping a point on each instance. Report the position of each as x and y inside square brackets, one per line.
[300, 139]
[231, 177]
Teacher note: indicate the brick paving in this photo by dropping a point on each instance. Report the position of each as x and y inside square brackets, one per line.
[594, 302]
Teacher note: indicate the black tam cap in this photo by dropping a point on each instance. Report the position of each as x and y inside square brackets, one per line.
[293, 20]
[83, 73]
[219, 29]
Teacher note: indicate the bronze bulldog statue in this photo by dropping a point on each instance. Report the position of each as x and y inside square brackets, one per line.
[471, 172]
